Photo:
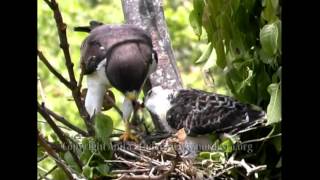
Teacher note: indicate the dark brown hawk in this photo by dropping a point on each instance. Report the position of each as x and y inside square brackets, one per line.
[119, 56]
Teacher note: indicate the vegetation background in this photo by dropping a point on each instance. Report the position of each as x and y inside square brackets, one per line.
[231, 48]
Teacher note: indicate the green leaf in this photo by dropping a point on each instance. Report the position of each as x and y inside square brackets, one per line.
[103, 169]
[215, 156]
[86, 153]
[279, 164]
[206, 54]
[198, 5]
[87, 171]
[274, 107]
[277, 143]
[270, 11]
[195, 24]
[269, 39]
[227, 145]
[246, 81]
[59, 174]
[103, 127]
[71, 162]
[276, 77]
[278, 24]
[211, 60]
[221, 57]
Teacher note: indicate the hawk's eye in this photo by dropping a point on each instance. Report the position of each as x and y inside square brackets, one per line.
[149, 93]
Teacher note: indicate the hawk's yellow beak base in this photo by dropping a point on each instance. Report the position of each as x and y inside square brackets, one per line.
[132, 95]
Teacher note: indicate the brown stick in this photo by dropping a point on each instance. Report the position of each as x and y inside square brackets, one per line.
[59, 133]
[65, 122]
[53, 70]
[55, 156]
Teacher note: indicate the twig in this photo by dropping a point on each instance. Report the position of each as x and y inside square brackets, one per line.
[56, 147]
[261, 139]
[53, 70]
[246, 166]
[42, 158]
[59, 133]
[62, 127]
[80, 80]
[50, 171]
[55, 156]
[130, 171]
[64, 45]
[65, 122]
[43, 97]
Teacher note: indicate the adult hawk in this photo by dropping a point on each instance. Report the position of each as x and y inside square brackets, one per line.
[200, 112]
[119, 56]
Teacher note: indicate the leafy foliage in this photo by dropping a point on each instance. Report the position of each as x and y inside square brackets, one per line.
[245, 38]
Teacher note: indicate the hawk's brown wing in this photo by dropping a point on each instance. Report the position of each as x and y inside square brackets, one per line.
[200, 112]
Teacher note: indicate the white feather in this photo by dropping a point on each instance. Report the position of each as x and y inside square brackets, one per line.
[97, 82]
[159, 104]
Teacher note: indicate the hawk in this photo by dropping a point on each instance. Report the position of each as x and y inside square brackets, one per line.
[119, 56]
[200, 112]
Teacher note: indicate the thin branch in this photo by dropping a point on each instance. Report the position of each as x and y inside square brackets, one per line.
[53, 70]
[56, 147]
[42, 158]
[55, 156]
[80, 80]
[64, 121]
[261, 139]
[59, 133]
[64, 45]
[130, 171]
[50, 171]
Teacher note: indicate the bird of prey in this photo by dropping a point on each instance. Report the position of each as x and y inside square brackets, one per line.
[200, 113]
[119, 56]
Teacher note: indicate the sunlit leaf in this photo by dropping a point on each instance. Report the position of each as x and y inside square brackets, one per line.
[211, 60]
[71, 162]
[103, 127]
[269, 39]
[197, 27]
[103, 169]
[87, 171]
[270, 11]
[274, 107]
[227, 145]
[221, 56]
[206, 54]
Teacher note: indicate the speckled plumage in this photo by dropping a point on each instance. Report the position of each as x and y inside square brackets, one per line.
[200, 112]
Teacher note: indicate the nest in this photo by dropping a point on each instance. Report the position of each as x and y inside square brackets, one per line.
[163, 160]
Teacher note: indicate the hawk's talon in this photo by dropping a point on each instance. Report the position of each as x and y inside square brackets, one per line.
[128, 136]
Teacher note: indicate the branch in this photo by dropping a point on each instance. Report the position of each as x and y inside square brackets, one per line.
[64, 121]
[53, 70]
[249, 169]
[261, 139]
[61, 27]
[55, 156]
[76, 94]
[42, 158]
[59, 133]
[50, 171]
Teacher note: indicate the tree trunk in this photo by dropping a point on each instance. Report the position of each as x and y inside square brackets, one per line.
[148, 15]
